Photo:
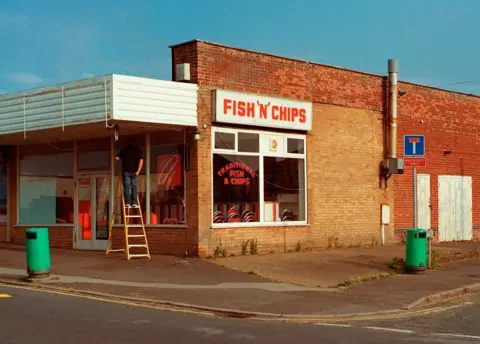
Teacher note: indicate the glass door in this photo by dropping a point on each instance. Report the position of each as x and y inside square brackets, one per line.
[93, 211]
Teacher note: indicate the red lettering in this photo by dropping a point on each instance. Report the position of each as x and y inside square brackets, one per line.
[274, 112]
[247, 181]
[284, 113]
[263, 109]
[241, 108]
[225, 181]
[250, 109]
[237, 173]
[303, 115]
[294, 114]
[227, 105]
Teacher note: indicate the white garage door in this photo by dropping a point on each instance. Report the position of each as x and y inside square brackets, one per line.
[454, 208]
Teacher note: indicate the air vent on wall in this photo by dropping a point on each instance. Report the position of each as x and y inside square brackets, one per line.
[182, 72]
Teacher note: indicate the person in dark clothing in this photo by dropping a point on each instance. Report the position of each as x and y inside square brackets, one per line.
[132, 163]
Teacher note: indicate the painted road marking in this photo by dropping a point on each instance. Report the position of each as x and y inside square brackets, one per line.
[456, 335]
[466, 336]
[5, 296]
[333, 325]
[388, 329]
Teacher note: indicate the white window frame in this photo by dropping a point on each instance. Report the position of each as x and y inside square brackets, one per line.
[260, 155]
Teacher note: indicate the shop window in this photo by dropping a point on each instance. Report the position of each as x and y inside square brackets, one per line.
[235, 188]
[248, 142]
[46, 185]
[93, 155]
[284, 189]
[261, 180]
[139, 142]
[3, 191]
[225, 140]
[167, 179]
[295, 146]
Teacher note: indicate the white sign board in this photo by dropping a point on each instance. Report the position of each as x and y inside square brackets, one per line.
[260, 111]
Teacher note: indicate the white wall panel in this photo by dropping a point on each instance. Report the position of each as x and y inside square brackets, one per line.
[154, 101]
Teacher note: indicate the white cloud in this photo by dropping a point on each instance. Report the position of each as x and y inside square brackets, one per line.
[87, 75]
[25, 79]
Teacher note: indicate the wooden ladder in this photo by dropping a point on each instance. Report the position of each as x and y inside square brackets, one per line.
[127, 215]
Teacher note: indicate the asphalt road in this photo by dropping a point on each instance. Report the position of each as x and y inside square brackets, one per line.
[41, 318]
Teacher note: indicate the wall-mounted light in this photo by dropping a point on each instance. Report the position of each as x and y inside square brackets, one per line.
[447, 152]
[197, 136]
[402, 93]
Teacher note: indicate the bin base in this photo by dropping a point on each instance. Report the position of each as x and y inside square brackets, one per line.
[416, 270]
[38, 274]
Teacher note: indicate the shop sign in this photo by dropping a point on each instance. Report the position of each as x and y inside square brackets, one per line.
[260, 111]
[236, 173]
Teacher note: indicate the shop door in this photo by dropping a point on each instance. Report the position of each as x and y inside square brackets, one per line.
[423, 201]
[93, 212]
[454, 208]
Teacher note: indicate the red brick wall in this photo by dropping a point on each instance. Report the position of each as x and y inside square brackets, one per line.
[60, 237]
[170, 241]
[449, 121]
[344, 195]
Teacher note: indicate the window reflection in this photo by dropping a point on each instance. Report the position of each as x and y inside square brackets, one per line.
[46, 184]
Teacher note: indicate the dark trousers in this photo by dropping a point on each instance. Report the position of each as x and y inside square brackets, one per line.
[130, 186]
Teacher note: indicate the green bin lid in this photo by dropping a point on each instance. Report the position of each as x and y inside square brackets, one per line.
[36, 230]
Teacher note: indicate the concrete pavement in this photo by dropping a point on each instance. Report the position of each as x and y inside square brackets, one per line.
[390, 294]
[203, 285]
[31, 317]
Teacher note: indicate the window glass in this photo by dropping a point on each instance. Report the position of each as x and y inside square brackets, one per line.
[3, 191]
[284, 189]
[94, 154]
[295, 146]
[248, 142]
[235, 188]
[167, 181]
[46, 184]
[224, 141]
[139, 142]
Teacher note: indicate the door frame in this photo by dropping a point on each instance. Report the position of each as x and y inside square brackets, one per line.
[94, 243]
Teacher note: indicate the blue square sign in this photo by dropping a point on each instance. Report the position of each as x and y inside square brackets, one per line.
[414, 145]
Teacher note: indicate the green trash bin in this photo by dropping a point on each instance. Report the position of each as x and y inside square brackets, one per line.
[416, 255]
[38, 252]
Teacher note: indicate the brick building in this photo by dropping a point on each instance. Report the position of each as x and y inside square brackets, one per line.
[283, 152]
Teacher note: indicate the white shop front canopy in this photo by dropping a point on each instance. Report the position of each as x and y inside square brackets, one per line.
[91, 107]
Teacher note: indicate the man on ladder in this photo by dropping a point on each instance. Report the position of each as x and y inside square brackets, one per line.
[132, 163]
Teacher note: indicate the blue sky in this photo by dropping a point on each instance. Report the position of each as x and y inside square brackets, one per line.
[45, 42]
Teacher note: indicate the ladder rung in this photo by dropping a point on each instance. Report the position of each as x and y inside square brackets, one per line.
[136, 236]
[137, 245]
[133, 215]
[139, 255]
[117, 250]
[134, 226]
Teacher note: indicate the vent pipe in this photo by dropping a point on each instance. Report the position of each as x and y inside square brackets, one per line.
[392, 106]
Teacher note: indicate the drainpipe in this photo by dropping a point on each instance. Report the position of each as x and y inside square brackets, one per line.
[392, 107]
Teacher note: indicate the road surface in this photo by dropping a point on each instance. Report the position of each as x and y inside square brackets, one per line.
[42, 318]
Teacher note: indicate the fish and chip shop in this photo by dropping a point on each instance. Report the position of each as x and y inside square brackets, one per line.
[238, 147]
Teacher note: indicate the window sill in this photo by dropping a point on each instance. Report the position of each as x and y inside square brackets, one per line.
[59, 225]
[260, 224]
[158, 226]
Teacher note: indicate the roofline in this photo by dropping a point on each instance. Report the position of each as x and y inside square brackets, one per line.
[195, 40]
[274, 55]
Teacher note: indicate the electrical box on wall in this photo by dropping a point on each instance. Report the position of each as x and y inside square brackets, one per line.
[393, 166]
[182, 72]
[385, 214]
